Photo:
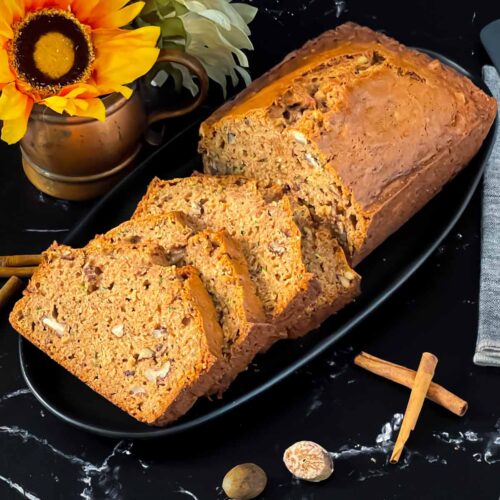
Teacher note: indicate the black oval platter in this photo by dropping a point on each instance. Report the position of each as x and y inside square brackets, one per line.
[383, 273]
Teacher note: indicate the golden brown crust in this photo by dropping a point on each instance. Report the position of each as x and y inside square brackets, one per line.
[215, 366]
[347, 286]
[71, 308]
[177, 223]
[376, 117]
[236, 217]
[224, 272]
[254, 334]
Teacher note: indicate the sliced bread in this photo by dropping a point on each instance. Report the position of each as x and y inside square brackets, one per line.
[326, 259]
[224, 272]
[265, 230]
[278, 238]
[139, 332]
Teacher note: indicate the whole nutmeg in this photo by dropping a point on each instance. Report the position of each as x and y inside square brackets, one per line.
[244, 482]
[308, 461]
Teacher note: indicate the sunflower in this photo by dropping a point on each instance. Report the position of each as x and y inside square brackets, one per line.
[64, 54]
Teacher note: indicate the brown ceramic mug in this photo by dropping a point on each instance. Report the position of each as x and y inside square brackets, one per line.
[81, 158]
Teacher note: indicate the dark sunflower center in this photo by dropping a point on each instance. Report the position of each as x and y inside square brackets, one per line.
[51, 49]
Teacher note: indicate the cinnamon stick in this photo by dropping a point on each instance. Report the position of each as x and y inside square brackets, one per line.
[421, 385]
[10, 288]
[21, 272]
[404, 376]
[20, 260]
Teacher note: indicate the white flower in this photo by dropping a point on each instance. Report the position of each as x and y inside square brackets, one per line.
[214, 31]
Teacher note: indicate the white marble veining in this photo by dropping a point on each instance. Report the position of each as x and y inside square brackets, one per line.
[379, 452]
[383, 442]
[187, 493]
[106, 477]
[277, 12]
[340, 6]
[483, 446]
[41, 230]
[25, 436]
[14, 394]
[17, 487]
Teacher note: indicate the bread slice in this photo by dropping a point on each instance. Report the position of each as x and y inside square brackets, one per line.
[277, 238]
[224, 272]
[363, 129]
[265, 230]
[326, 259]
[139, 332]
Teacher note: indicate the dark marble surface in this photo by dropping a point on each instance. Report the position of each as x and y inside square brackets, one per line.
[351, 413]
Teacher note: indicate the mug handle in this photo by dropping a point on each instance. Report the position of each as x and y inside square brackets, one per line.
[191, 63]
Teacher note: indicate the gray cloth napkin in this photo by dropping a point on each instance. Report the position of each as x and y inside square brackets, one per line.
[488, 340]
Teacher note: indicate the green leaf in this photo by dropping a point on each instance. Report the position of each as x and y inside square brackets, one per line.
[244, 74]
[180, 8]
[214, 31]
[187, 80]
[217, 17]
[172, 27]
[247, 12]
[150, 7]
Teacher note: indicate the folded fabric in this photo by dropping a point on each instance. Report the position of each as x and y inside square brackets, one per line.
[488, 341]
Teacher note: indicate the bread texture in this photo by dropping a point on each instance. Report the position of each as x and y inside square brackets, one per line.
[265, 230]
[141, 333]
[278, 239]
[326, 259]
[362, 129]
[224, 273]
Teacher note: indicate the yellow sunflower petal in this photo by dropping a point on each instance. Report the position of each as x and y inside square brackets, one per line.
[63, 4]
[60, 105]
[109, 89]
[106, 13]
[94, 109]
[4, 12]
[83, 9]
[105, 6]
[13, 130]
[76, 92]
[81, 105]
[90, 108]
[55, 103]
[12, 102]
[6, 75]
[81, 90]
[121, 17]
[5, 29]
[123, 90]
[32, 5]
[124, 55]
[12, 10]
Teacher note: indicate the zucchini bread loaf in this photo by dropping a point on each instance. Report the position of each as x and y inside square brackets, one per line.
[296, 275]
[139, 332]
[224, 272]
[362, 129]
